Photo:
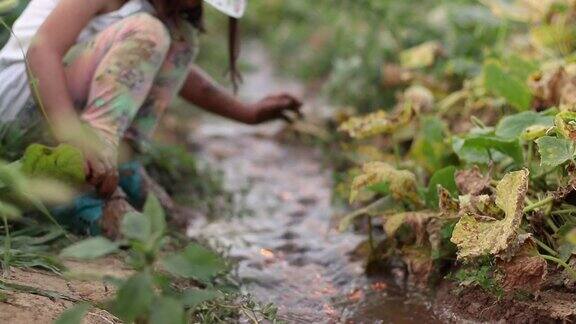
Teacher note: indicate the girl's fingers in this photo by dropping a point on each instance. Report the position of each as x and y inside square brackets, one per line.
[108, 184]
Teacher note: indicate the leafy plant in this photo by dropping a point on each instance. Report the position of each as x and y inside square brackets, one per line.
[153, 293]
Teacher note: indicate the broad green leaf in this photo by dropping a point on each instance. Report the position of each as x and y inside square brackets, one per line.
[511, 127]
[155, 213]
[91, 248]
[167, 310]
[554, 151]
[134, 297]
[515, 91]
[520, 67]
[74, 314]
[195, 262]
[402, 183]
[481, 149]
[64, 163]
[476, 238]
[430, 147]
[444, 178]
[136, 226]
[194, 297]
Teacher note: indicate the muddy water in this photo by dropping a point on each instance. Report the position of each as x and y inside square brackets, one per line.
[288, 251]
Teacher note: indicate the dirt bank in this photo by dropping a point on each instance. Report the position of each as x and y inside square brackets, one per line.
[42, 296]
[474, 304]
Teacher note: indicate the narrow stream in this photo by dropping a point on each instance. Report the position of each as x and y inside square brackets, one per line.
[288, 251]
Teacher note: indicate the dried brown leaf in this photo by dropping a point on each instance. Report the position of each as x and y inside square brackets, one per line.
[472, 181]
[526, 271]
[420, 264]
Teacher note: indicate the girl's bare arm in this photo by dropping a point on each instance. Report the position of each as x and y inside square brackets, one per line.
[53, 40]
[202, 91]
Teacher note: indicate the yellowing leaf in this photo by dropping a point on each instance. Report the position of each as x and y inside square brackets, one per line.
[417, 221]
[559, 37]
[402, 183]
[477, 238]
[520, 10]
[420, 56]
[369, 125]
[566, 124]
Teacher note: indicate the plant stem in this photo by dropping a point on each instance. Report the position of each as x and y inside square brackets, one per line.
[545, 247]
[370, 235]
[37, 291]
[538, 204]
[561, 263]
[530, 151]
[7, 247]
[564, 211]
[550, 223]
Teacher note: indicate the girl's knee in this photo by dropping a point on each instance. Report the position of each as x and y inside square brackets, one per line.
[148, 28]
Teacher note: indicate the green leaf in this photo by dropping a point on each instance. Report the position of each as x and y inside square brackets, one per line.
[444, 178]
[134, 297]
[554, 151]
[430, 147]
[382, 188]
[167, 310]
[64, 163]
[91, 248]
[156, 215]
[195, 262]
[511, 127]
[74, 314]
[480, 148]
[521, 68]
[194, 297]
[136, 226]
[514, 90]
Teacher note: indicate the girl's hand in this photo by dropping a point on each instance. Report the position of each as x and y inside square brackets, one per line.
[101, 172]
[276, 107]
[100, 157]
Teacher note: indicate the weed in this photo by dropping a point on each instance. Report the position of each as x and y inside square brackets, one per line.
[482, 276]
[176, 287]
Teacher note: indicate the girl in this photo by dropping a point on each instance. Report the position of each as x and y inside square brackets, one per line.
[104, 71]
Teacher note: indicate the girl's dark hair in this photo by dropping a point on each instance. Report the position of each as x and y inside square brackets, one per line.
[174, 10]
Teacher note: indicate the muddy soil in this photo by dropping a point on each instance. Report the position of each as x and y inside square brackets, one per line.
[474, 304]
